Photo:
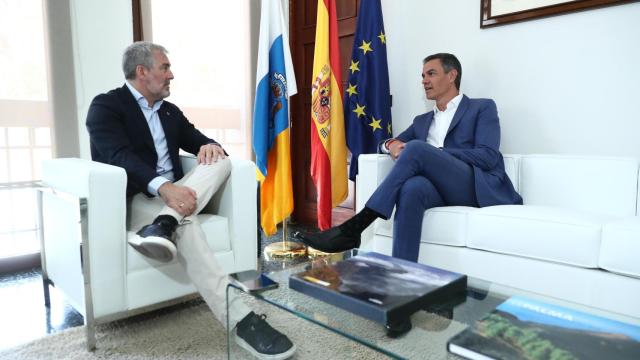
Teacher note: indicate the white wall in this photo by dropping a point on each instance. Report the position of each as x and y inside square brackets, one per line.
[564, 84]
[101, 30]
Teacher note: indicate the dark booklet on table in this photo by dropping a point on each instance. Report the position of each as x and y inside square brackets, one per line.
[379, 287]
[522, 328]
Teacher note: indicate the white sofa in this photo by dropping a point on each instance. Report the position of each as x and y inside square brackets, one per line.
[83, 216]
[577, 236]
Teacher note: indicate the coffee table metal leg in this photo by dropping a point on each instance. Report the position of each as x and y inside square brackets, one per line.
[233, 349]
[228, 323]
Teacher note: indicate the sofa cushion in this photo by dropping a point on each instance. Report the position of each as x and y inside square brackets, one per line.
[215, 227]
[620, 248]
[588, 183]
[540, 232]
[441, 225]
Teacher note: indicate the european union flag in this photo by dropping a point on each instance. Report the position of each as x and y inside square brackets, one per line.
[367, 104]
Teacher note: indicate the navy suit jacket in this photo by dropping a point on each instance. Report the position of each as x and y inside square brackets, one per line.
[120, 136]
[473, 137]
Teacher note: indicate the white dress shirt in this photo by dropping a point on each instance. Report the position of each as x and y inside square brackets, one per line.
[441, 122]
[164, 167]
[439, 125]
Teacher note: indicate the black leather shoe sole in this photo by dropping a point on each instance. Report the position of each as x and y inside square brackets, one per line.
[330, 241]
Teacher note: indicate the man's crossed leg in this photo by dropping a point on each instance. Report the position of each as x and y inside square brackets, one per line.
[164, 235]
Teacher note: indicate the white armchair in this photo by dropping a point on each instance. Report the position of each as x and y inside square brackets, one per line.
[83, 217]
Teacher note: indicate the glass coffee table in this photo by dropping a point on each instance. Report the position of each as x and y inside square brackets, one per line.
[312, 319]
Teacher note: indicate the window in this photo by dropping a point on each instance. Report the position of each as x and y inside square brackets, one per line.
[25, 121]
[208, 44]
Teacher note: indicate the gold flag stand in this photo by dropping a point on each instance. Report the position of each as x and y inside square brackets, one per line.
[313, 253]
[284, 249]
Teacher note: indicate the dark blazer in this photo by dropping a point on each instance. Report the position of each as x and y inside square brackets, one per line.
[120, 136]
[474, 137]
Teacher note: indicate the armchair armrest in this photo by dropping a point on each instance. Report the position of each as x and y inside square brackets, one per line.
[237, 201]
[103, 187]
[373, 168]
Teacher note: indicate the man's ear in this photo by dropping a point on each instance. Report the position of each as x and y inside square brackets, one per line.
[453, 74]
[140, 71]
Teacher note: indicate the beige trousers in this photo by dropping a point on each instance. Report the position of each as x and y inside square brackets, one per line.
[194, 254]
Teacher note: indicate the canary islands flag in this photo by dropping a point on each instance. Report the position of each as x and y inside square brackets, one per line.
[275, 83]
[367, 101]
[328, 145]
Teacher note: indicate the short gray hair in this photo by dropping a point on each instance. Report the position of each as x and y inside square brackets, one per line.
[139, 53]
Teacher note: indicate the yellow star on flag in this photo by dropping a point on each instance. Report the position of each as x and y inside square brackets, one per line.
[382, 37]
[352, 89]
[354, 66]
[389, 129]
[366, 46]
[360, 110]
[375, 124]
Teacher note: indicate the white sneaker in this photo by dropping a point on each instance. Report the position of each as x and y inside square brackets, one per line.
[157, 240]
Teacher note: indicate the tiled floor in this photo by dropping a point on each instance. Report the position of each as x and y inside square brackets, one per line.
[23, 316]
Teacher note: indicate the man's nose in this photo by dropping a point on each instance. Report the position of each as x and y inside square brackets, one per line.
[170, 75]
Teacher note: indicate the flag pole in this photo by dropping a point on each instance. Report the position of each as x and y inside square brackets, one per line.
[275, 84]
[284, 233]
[284, 250]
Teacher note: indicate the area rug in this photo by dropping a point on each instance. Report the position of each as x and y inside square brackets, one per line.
[189, 331]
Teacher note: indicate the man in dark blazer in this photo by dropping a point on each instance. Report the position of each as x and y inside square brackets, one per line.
[448, 156]
[130, 144]
[135, 128]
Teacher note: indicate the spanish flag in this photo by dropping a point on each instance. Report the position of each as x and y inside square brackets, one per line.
[328, 144]
[275, 83]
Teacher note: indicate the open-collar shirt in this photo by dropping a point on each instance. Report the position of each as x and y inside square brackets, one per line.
[164, 167]
[441, 122]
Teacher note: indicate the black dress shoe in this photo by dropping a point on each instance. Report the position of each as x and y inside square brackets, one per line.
[157, 240]
[255, 335]
[331, 241]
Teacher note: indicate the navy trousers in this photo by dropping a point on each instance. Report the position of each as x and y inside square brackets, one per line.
[422, 177]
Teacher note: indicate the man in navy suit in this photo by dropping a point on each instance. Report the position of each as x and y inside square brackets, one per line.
[135, 128]
[448, 156]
